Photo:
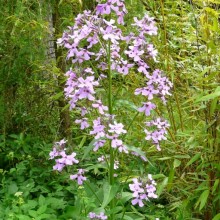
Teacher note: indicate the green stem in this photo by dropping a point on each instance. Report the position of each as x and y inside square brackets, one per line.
[94, 193]
[129, 126]
[110, 111]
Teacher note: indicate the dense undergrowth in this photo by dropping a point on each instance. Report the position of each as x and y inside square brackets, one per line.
[187, 169]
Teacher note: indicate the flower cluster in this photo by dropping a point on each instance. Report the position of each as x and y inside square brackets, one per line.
[64, 159]
[104, 130]
[159, 133]
[81, 83]
[116, 6]
[81, 88]
[94, 216]
[143, 190]
[156, 86]
[94, 47]
[79, 176]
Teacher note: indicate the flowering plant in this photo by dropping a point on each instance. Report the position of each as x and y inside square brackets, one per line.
[100, 52]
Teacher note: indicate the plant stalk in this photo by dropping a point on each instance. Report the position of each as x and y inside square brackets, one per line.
[110, 111]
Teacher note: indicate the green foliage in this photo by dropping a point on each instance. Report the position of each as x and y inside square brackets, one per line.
[28, 187]
[188, 165]
[188, 45]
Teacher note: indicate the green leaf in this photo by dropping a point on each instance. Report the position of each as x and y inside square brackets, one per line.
[71, 211]
[23, 217]
[216, 217]
[184, 156]
[213, 105]
[193, 159]
[45, 216]
[209, 96]
[115, 210]
[60, 2]
[57, 96]
[125, 196]
[126, 217]
[170, 180]
[202, 199]
[176, 163]
[215, 186]
[31, 204]
[96, 166]
[137, 150]
[42, 209]
[12, 188]
[109, 192]
[158, 176]
[33, 213]
[161, 186]
[82, 142]
[55, 203]
[165, 158]
[88, 148]
[125, 103]
[41, 200]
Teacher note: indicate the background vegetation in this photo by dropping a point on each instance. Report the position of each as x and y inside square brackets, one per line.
[34, 114]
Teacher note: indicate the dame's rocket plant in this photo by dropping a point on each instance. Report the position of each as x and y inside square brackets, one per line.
[96, 48]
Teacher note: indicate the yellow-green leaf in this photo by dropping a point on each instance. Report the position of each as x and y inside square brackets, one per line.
[176, 163]
[209, 96]
[193, 159]
[202, 199]
[216, 217]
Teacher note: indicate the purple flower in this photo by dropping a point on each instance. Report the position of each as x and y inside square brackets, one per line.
[79, 177]
[122, 148]
[67, 159]
[85, 93]
[143, 68]
[101, 159]
[116, 165]
[138, 200]
[115, 142]
[134, 53]
[158, 136]
[136, 187]
[83, 111]
[81, 56]
[98, 129]
[100, 9]
[147, 107]
[98, 104]
[147, 91]
[89, 70]
[152, 52]
[54, 153]
[159, 123]
[92, 40]
[111, 36]
[87, 83]
[143, 190]
[146, 25]
[124, 68]
[117, 128]
[83, 123]
[59, 166]
[62, 142]
[98, 144]
[112, 5]
[102, 216]
[93, 215]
